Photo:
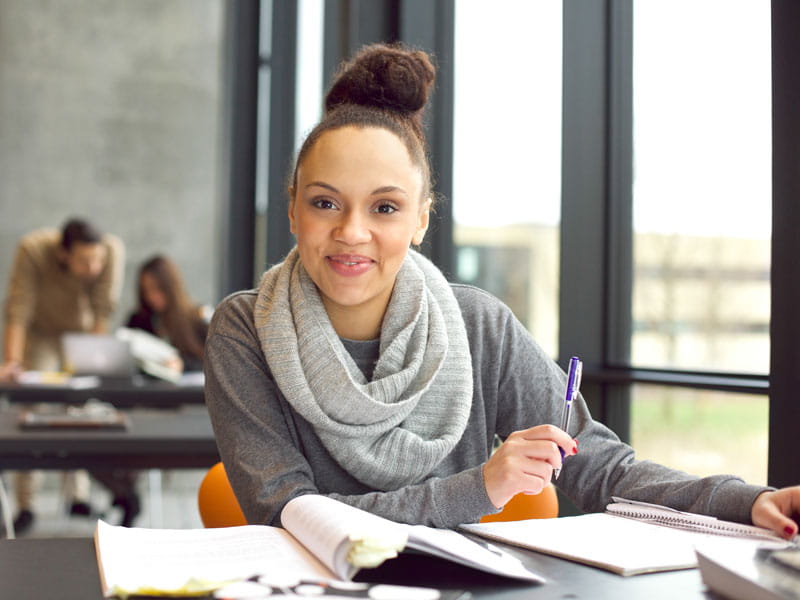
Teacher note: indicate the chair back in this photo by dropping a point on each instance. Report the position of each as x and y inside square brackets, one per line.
[219, 507]
[216, 501]
[543, 505]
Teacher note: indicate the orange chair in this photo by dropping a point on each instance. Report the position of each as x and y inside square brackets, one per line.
[219, 507]
[543, 505]
[216, 501]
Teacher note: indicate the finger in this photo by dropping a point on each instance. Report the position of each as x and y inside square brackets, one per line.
[541, 452]
[771, 517]
[568, 445]
[535, 485]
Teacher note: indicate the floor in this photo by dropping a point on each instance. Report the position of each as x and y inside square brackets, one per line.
[175, 507]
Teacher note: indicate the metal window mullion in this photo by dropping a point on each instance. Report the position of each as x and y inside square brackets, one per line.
[784, 408]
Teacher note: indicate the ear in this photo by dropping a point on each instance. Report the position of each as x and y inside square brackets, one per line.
[291, 210]
[422, 224]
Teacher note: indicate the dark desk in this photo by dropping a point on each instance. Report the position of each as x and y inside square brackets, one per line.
[136, 391]
[156, 439]
[66, 569]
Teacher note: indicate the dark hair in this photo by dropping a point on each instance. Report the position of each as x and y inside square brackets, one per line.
[78, 231]
[181, 319]
[384, 86]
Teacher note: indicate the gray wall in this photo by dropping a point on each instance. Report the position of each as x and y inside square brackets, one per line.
[110, 109]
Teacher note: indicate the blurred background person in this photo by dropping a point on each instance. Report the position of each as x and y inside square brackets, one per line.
[167, 311]
[61, 281]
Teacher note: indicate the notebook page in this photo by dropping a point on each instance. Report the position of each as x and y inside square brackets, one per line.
[624, 546]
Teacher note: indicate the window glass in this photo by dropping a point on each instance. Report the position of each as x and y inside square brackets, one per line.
[701, 432]
[702, 220]
[507, 156]
[702, 185]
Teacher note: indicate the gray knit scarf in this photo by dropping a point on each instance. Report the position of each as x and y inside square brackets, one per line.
[391, 431]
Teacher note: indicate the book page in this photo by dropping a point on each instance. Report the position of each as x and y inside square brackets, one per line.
[348, 537]
[343, 537]
[139, 560]
[618, 544]
[453, 546]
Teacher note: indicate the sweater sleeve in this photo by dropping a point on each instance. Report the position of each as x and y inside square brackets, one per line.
[22, 288]
[105, 291]
[269, 462]
[531, 388]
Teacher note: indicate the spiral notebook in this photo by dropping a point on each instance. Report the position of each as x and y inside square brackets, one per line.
[630, 538]
[663, 515]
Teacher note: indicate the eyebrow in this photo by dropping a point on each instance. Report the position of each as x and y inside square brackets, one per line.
[381, 190]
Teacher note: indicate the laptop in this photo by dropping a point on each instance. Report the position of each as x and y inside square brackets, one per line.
[103, 355]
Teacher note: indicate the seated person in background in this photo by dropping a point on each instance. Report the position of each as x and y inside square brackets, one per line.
[166, 310]
[61, 281]
[357, 371]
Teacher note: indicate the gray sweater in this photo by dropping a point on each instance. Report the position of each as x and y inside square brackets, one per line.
[271, 454]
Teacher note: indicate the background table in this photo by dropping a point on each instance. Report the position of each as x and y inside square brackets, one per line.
[156, 439]
[124, 393]
[66, 569]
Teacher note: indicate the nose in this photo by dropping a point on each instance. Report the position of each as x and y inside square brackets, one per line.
[352, 229]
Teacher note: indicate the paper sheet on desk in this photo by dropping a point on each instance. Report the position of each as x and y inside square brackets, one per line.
[192, 379]
[59, 378]
[617, 544]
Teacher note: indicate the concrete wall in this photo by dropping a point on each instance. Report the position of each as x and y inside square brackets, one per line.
[110, 109]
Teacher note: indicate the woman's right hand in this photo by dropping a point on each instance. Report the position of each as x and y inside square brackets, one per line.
[525, 462]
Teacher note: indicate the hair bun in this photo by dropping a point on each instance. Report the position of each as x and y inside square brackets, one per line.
[384, 76]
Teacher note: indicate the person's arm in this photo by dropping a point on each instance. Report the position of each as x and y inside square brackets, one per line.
[100, 325]
[20, 300]
[531, 392]
[14, 343]
[13, 351]
[265, 459]
[106, 290]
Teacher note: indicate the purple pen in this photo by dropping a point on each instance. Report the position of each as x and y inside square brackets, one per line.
[573, 385]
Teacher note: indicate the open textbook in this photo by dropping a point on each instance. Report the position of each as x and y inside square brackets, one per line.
[630, 537]
[323, 540]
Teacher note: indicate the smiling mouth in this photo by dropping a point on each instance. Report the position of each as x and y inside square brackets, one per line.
[350, 260]
[350, 265]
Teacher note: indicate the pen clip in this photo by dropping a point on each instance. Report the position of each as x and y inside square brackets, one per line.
[578, 376]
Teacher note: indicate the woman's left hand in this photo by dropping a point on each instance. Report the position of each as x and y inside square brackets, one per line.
[778, 510]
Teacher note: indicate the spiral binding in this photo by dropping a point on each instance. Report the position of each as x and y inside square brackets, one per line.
[692, 522]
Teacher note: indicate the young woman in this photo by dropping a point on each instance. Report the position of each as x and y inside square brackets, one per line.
[166, 310]
[355, 370]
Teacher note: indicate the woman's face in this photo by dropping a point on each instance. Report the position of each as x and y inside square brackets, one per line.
[153, 295]
[356, 209]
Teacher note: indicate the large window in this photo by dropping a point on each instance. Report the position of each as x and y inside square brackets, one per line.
[702, 185]
[507, 156]
[702, 216]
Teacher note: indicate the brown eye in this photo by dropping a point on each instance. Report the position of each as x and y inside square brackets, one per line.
[323, 203]
[386, 209]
